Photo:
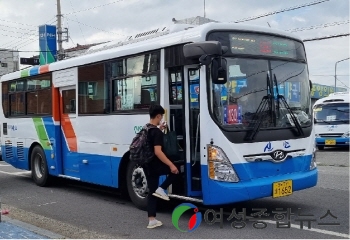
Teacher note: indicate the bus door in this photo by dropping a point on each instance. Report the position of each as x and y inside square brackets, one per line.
[193, 163]
[184, 113]
[69, 141]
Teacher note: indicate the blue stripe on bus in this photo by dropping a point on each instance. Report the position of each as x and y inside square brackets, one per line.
[339, 141]
[101, 169]
[34, 71]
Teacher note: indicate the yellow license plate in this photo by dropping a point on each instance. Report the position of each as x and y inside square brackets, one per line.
[281, 189]
[330, 142]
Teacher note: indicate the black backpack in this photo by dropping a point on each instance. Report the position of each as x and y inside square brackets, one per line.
[140, 149]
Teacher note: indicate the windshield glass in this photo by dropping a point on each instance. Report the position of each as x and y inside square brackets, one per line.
[236, 104]
[334, 112]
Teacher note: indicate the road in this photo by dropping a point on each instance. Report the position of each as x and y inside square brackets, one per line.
[79, 210]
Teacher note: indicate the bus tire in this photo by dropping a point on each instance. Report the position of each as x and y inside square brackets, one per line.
[40, 173]
[320, 147]
[137, 185]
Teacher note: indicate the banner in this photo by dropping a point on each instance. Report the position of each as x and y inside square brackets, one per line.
[47, 44]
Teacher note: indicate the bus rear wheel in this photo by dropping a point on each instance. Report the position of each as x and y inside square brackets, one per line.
[40, 173]
[137, 185]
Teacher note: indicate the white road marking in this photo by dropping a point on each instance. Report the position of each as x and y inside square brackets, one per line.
[15, 173]
[314, 230]
[298, 227]
[44, 204]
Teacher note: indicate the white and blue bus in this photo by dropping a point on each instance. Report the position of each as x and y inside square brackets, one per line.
[237, 96]
[331, 117]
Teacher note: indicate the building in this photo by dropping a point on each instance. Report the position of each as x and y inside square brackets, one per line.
[9, 61]
[320, 91]
[78, 50]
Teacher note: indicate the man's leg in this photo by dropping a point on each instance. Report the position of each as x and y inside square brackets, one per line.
[170, 178]
[152, 182]
[163, 169]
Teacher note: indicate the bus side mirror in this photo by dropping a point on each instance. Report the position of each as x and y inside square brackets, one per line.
[202, 50]
[218, 71]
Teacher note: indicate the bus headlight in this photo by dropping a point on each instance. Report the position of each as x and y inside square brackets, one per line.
[219, 166]
[313, 163]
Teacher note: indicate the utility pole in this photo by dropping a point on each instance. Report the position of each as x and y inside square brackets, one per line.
[335, 74]
[204, 8]
[59, 31]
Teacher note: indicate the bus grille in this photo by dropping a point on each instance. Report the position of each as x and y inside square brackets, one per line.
[334, 135]
[8, 150]
[20, 150]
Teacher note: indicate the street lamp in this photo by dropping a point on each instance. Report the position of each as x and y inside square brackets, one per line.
[335, 74]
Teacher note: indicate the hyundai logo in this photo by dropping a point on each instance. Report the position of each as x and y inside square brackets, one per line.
[278, 155]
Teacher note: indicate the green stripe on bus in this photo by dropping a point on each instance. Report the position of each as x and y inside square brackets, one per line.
[41, 131]
[25, 73]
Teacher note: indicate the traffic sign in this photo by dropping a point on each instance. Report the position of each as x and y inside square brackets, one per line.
[29, 61]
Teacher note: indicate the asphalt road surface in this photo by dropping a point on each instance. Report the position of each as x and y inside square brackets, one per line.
[78, 210]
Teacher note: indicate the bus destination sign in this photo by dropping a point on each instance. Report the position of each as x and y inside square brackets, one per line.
[262, 45]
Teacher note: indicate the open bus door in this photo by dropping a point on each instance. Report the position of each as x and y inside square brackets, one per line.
[184, 120]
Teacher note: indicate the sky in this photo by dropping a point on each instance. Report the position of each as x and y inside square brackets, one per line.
[95, 21]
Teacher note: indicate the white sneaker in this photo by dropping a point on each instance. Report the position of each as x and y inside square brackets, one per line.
[161, 194]
[154, 223]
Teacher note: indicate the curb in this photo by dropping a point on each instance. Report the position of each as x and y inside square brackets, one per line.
[32, 228]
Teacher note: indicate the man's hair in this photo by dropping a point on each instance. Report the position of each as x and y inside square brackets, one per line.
[154, 110]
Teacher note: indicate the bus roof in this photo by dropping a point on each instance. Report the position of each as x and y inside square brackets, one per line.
[174, 35]
[337, 97]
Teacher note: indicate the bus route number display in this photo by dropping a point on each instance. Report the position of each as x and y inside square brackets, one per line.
[255, 44]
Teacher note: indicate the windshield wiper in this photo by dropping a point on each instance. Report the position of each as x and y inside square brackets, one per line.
[292, 115]
[260, 113]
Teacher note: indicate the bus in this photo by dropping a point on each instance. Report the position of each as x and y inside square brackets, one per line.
[331, 117]
[237, 97]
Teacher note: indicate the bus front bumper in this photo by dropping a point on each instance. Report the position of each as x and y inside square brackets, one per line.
[332, 142]
[227, 193]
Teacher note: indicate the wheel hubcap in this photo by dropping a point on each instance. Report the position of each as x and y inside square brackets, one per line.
[39, 165]
[139, 182]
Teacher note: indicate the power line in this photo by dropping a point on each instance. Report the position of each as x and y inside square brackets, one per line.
[329, 75]
[326, 37]
[88, 9]
[280, 11]
[3, 20]
[318, 26]
[32, 34]
[343, 83]
[94, 27]
[77, 20]
[15, 44]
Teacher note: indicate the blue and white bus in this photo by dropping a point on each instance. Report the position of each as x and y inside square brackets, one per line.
[237, 96]
[331, 116]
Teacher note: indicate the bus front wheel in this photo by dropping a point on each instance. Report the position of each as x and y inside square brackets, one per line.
[137, 185]
[40, 173]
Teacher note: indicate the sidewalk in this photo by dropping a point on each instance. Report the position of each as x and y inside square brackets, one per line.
[14, 229]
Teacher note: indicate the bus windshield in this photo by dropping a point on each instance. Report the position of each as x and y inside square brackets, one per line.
[333, 113]
[235, 104]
